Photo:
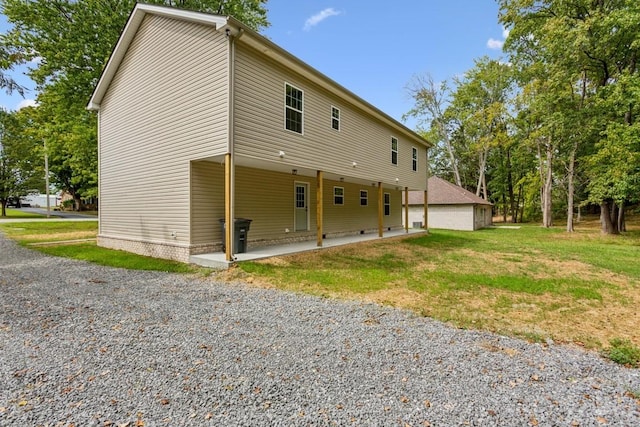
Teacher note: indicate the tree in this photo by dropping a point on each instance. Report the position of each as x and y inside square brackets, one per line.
[20, 165]
[480, 103]
[431, 101]
[585, 49]
[70, 41]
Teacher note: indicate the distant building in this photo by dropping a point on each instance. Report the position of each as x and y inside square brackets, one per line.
[449, 206]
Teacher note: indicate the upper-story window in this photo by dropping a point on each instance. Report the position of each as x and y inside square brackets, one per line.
[293, 116]
[414, 159]
[394, 151]
[335, 118]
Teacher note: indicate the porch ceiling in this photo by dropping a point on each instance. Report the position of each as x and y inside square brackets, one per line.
[283, 167]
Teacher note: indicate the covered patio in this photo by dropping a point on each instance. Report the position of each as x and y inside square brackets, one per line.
[218, 259]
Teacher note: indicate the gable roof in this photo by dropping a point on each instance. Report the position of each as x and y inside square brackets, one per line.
[246, 35]
[441, 192]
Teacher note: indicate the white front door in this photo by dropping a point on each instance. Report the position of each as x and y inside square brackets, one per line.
[301, 206]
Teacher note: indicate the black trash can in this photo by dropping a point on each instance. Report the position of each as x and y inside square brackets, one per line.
[240, 235]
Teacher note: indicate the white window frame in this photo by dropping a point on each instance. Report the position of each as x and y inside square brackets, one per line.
[364, 199]
[286, 107]
[414, 159]
[335, 119]
[338, 195]
[394, 151]
[387, 204]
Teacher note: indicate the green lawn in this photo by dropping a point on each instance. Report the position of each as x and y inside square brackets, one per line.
[37, 234]
[17, 214]
[532, 282]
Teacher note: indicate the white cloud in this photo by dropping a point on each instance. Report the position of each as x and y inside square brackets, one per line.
[495, 44]
[27, 103]
[319, 17]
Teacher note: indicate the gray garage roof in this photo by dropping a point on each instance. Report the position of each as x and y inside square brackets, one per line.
[443, 192]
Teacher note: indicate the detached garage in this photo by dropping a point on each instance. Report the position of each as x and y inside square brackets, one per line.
[449, 206]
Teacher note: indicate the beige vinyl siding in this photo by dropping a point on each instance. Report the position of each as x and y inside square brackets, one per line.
[268, 199]
[261, 134]
[166, 106]
[451, 217]
[207, 201]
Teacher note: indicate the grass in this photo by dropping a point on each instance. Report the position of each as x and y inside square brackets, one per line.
[34, 234]
[624, 352]
[530, 282]
[16, 214]
[534, 283]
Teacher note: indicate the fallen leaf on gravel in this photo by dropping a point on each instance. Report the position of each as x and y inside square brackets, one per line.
[3, 409]
[491, 412]
[426, 424]
[533, 421]
[23, 403]
[404, 399]
[127, 424]
[139, 423]
[208, 416]
[164, 401]
[602, 420]
[427, 404]
[575, 424]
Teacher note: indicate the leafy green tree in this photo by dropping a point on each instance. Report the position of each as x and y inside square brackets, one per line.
[581, 51]
[20, 157]
[70, 41]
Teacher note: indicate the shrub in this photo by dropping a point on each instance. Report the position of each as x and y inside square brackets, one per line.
[624, 352]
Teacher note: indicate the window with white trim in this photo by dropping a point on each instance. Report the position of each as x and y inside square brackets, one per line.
[338, 196]
[387, 204]
[293, 115]
[335, 118]
[364, 197]
[394, 151]
[414, 159]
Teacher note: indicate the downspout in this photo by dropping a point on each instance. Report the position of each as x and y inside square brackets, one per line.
[230, 209]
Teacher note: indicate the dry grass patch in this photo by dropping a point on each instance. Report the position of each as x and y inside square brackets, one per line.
[531, 282]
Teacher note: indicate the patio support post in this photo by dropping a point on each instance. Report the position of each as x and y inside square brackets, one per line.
[380, 210]
[228, 218]
[319, 206]
[406, 209]
[426, 211]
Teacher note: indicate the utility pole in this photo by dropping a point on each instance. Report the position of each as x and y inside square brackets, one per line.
[46, 177]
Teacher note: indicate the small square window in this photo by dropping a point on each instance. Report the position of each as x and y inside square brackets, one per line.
[335, 118]
[338, 196]
[394, 151]
[364, 197]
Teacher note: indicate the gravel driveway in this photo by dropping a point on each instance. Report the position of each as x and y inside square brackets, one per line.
[86, 345]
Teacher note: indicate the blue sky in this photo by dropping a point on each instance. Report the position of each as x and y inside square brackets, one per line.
[373, 48]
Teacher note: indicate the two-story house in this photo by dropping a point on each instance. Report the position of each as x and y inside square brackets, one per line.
[203, 119]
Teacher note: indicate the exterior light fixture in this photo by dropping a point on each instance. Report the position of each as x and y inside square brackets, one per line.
[281, 154]
[294, 171]
[354, 164]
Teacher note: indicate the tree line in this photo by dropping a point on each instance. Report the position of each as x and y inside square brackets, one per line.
[553, 127]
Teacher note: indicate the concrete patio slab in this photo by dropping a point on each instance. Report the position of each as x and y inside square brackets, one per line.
[217, 259]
